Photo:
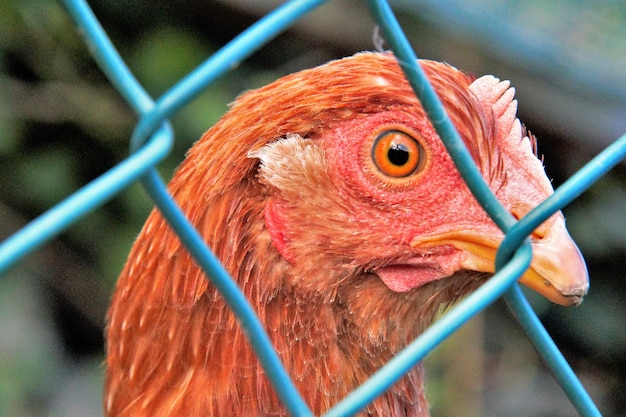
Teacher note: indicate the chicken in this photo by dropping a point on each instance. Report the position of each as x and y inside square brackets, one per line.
[334, 205]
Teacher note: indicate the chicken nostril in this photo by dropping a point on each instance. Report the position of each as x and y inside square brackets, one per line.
[536, 235]
[521, 210]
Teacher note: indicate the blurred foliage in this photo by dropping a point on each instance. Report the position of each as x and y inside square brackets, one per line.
[62, 125]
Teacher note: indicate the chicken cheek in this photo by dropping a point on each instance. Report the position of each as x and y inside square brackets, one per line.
[275, 225]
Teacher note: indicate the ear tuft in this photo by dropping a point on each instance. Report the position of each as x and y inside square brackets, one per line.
[278, 149]
[289, 162]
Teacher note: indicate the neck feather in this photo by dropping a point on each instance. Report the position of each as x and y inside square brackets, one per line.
[174, 348]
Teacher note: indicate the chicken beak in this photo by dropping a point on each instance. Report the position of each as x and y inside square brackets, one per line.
[557, 270]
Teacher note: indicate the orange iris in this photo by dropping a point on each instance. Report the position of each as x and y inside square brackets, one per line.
[396, 153]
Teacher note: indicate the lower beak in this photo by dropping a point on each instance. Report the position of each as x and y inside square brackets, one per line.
[557, 270]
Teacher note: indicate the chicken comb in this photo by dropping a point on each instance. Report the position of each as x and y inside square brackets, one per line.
[497, 98]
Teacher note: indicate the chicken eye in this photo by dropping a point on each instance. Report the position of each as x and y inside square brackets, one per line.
[396, 153]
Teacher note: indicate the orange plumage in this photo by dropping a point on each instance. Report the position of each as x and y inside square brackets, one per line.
[332, 202]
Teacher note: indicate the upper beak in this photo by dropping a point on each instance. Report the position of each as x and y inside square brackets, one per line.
[557, 270]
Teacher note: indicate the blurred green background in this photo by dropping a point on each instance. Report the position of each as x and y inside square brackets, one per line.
[62, 125]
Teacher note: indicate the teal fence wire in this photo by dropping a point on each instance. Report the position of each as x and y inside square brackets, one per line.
[152, 141]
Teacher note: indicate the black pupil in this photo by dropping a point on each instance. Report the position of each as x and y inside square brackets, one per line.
[398, 154]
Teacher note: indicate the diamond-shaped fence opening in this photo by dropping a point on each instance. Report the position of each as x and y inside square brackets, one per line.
[152, 141]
